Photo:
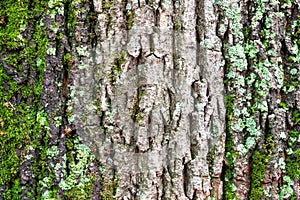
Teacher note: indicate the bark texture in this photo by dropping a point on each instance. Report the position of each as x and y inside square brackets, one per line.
[144, 99]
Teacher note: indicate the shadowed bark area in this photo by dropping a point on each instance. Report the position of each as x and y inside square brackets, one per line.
[135, 99]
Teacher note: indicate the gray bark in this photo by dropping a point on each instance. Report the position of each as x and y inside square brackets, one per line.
[160, 98]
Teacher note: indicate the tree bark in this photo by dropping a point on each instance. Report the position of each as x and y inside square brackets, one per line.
[149, 99]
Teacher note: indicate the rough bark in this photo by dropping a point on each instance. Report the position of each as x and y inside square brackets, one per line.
[149, 99]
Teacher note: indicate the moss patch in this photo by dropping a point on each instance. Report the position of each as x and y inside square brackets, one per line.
[228, 176]
[116, 68]
[129, 19]
[136, 112]
[23, 121]
[293, 154]
[259, 162]
[109, 187]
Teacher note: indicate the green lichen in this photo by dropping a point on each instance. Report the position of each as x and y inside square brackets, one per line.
[248, 72]
[291, 83]
[76, 181]
[286, 191]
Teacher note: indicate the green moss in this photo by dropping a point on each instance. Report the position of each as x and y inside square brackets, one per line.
[116, 68]
[24, 122]
[258, 170]
[259, 160]
[178, 26]
[229, 99]
[292, 163]
[229, 192]
[135, 111]
[80, 192]
[293, 156]
[14, 192]
[71, 17]
[129, 19]
[107, 5]
[229, 188]
[210, 158]
[67, 61]
[282, 105]
[296, 116]
[109, 187]
[13, 22]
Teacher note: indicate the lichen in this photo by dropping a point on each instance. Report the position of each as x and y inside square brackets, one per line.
[249, 71]
[76, 181]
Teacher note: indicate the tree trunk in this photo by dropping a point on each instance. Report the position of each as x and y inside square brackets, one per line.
[149, 99]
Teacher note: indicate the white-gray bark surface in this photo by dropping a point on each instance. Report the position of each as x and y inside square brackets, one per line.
[158, 91]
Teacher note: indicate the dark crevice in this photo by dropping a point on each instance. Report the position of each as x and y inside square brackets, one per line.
[164, 183]
[227, 166]
[151, 42]
[172, 104]
[194, 195]
[167, 130]
[92, 25]
[157, 17]
[193, 146]
[186, 178]
[178, 121]
[66, 65]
